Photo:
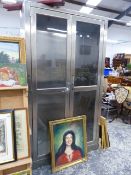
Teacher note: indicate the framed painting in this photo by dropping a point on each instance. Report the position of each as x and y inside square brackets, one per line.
[22, 133]
[7, 149]
[24, 172]
[12, 50]
[13, 75]
[68, 142]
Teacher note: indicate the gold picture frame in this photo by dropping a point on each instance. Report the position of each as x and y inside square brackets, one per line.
[13, 49]
[104, 137]
[68, 142]
[24, 172]
[22, 133]
[7, 145]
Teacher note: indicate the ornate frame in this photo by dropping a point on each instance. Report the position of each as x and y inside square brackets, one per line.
[57, 130]
[21, 42]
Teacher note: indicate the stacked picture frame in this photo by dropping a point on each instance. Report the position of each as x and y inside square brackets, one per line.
[103, 133]
[15, 155]
[12, 50]
[12, 62]
[14, 135]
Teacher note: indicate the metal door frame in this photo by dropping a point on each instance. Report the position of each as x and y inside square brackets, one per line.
[40, 8]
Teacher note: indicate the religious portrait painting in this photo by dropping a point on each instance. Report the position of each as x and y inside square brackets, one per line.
[68, 142]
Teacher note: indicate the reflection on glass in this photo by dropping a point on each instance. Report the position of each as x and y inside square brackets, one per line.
[51, 40]
[50, 107]
[87, 54]
[84, 104]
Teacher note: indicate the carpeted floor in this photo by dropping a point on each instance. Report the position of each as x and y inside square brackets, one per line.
[115, 160]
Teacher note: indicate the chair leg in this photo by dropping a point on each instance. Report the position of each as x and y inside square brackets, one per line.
[112, 120]
[129, 116]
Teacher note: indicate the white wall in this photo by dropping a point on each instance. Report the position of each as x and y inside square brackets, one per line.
[9, 23]
[118, 40]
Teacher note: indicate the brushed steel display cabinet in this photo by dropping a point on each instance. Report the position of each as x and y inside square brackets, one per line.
[65, 52]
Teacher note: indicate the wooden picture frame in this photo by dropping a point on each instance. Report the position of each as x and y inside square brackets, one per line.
[12, 50]
[24, 172]
[22, 133]
[7, 137]
[68, 142]
[104, 137]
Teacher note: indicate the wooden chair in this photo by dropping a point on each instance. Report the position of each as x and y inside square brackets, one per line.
[115, 80]
[110, 107]
[121, 95]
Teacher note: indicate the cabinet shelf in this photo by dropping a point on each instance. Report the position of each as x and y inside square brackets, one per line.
[13, 98]
[15, 164]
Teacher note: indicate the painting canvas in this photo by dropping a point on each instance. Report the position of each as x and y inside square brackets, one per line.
[12, 50]
[22, 133]
[7, 152]
[9, 52]
[68, 142]
[13, 75]
[2, 136]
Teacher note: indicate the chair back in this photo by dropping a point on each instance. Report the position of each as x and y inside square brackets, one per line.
[121, 94]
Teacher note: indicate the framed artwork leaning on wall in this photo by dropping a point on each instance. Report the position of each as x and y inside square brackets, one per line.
[68, 142]
[7, 145]
[22, 133]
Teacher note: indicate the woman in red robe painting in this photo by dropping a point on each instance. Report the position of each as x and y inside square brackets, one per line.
[68, 151]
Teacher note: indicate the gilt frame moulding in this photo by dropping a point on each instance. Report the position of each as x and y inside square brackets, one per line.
[61, 133]
[18, 44]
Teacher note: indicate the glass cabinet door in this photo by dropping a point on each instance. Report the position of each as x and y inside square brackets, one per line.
[51, 47]
[85, 70]
[86, 53]
[50, 62]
